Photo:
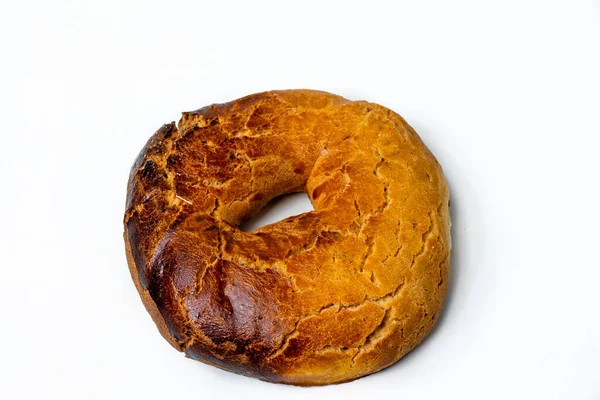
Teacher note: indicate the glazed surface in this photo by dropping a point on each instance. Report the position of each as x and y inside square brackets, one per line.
[324, 297]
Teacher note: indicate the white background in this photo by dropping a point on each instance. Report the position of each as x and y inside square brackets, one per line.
[506, 94]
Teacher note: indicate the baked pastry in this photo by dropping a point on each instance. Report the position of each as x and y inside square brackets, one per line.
[324, 297]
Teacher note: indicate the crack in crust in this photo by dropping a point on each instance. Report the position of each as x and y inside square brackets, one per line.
[424, 240]
[373, 257]
[380, 301]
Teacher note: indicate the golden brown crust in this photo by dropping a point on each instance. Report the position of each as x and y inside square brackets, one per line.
[324, 297]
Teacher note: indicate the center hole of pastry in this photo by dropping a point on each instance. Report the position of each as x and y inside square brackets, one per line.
[279, 208]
